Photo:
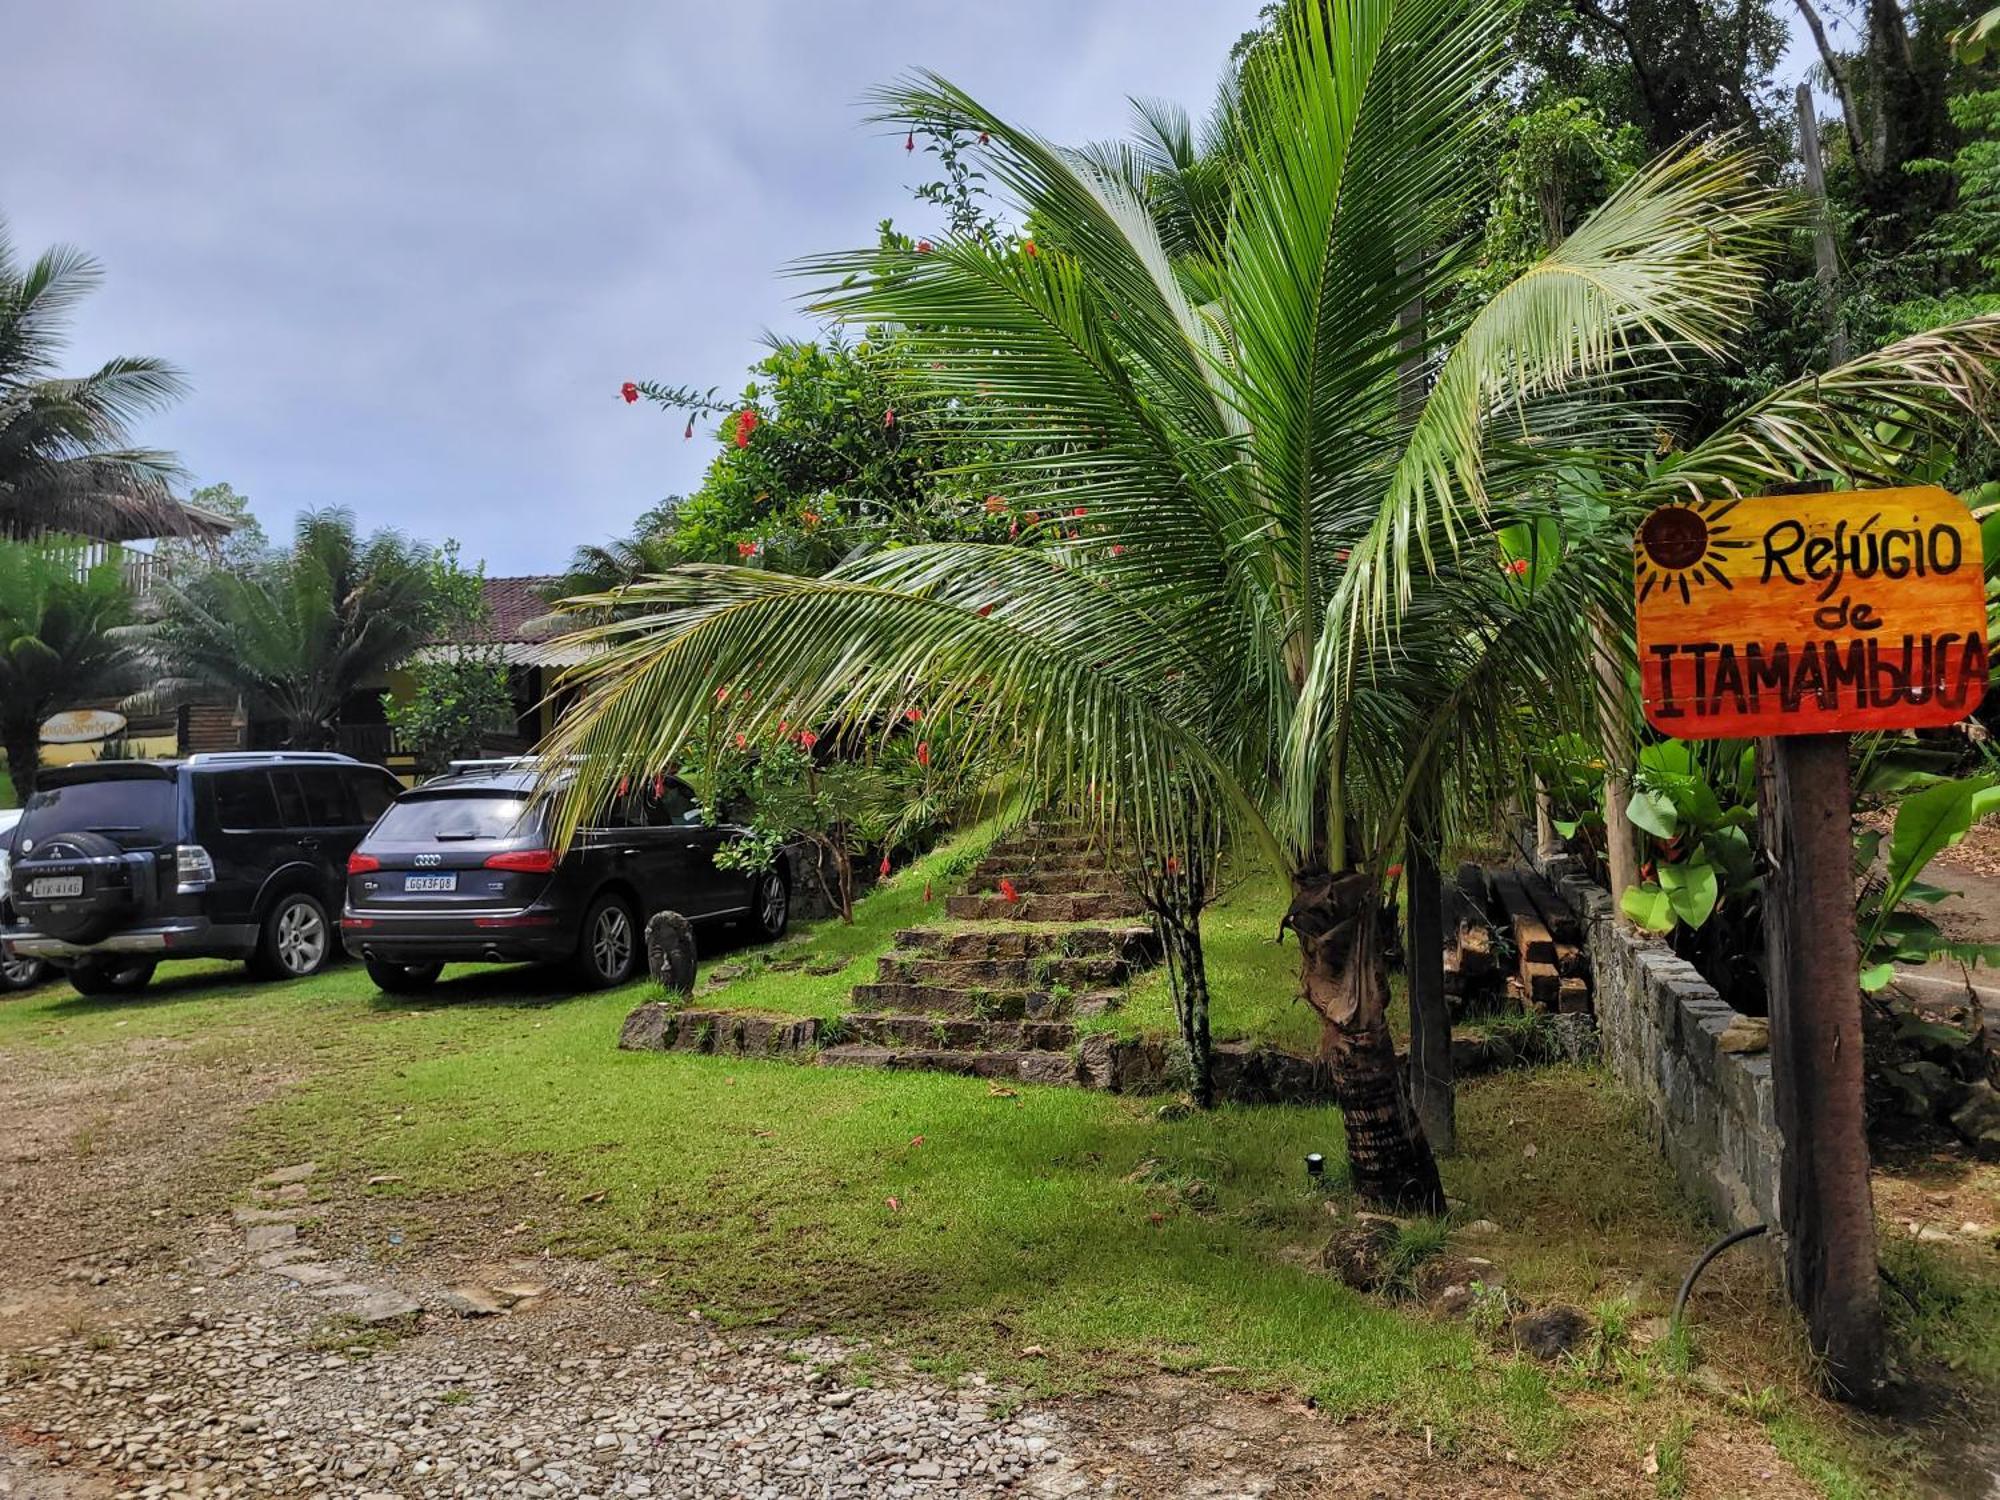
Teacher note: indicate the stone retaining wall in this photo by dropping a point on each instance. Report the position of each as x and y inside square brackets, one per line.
[1713, 1112]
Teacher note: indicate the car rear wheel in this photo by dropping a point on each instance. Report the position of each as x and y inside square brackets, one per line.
[297, 939]
[773, 906]
[22, 973]
[111, 976]
[608, 952]
[403, 979]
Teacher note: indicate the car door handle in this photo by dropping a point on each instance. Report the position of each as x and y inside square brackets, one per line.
[633, 853]
[308, 843]
[694, 846]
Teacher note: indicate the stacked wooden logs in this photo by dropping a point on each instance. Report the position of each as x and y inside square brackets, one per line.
[1512, 943]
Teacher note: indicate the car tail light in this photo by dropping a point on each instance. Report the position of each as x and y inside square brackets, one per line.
[193, 869]
[526, 861]
[361, 864]
[355, 923]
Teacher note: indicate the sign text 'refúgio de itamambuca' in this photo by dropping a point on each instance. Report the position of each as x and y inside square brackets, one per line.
[1810, 614]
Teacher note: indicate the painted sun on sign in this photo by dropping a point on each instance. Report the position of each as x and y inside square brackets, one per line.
[1810, 614]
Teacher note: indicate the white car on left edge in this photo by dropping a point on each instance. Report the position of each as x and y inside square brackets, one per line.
[16, 974]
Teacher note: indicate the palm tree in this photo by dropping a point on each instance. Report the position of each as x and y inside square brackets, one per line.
[66, 460]
[57, 645]
[1283, 575]
[295, 637]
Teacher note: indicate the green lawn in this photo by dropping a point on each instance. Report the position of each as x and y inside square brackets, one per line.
[961, 1222]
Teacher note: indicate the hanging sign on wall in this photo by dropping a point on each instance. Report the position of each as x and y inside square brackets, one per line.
[1810, 614]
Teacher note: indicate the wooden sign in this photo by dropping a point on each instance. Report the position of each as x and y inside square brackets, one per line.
[1810, 614]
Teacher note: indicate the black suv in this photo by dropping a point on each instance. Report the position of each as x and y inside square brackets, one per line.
[117, 864]
[463, 870]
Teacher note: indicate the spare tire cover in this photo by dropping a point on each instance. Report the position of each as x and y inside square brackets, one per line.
[107, 887]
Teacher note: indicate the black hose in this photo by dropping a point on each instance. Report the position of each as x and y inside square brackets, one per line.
[1687, 1286]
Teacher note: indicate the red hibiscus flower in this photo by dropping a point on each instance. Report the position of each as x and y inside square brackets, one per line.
[924, 753]
[746, 549]
[722, 695]
[746, 423]
[811, 518]
[807, 739]
[784, 727]
[1028, 249]
[1342, 555]
[1117, 549]
[742, 742]
[914, 715]
[923, 247]
[1517, 566]
[624, 785]
[994, 505]
[1173, 864]
[1394, 872]
[1080, 511]
[985, 610]
[630, 391]
[1007, 891]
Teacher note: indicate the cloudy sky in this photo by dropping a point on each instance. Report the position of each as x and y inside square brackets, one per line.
[407, 252]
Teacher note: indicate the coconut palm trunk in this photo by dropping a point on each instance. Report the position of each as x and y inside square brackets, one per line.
[1344, 978]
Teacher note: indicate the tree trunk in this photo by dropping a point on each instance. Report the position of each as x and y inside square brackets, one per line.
[1345, 980]
[843, 864]
[1430, 1011]
[1188, 971]
[24, 758]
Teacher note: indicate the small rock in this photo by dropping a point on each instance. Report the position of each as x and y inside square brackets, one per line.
[286, 1175]
[1481, 1228]
[385, 1307]
[473, 1302]
[1550, 1332]
[260, 1238]
[1978, 1119]
[837, 1399]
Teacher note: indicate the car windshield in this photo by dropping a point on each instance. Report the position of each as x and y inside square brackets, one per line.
[419, 820]
[128, 808]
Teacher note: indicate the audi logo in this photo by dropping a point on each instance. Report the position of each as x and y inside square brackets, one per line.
[429, 861]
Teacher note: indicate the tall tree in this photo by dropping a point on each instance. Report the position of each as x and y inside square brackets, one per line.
[66, 459]
[297, 636]
[57, 645]
[1266, 582]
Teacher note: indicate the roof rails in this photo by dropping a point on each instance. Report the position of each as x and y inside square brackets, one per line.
[229, 757]
[495, 763]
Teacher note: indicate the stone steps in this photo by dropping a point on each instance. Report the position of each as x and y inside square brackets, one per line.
[1017, 1067]
[1136, 945]
[1100, 906]
[1044, 972]
[1025, 865]
[981, 1004]
[1053, 882]
[922, 1033]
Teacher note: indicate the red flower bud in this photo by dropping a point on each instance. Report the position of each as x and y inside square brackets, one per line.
[1013, 530]
[1395, 872]
[811, 518]
[923, 247]
[1007, 891]
[630, 391]
[889, 417]
[1173, 864]
[985, 610]
[1080, 511]
[807, 739]
[742, 742]
[1517, 566]
[746, 423]
[924, 753]
[884, 872]
[690, 429]
[784, 726]
[1028, 249]
[910, 141]
[624, 785]
[1117, 549]
[914, 715]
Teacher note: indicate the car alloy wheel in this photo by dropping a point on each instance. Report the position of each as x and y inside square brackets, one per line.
[611, 943]
[21, 973]
[773, 904]
[301, 938]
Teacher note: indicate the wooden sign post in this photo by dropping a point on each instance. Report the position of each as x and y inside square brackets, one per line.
[1798, 619]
